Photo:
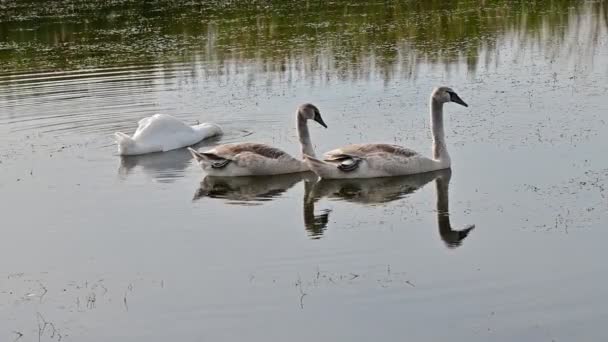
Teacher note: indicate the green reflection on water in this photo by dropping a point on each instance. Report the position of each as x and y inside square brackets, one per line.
[345, 37]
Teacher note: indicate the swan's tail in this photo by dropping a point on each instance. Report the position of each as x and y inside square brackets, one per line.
[124, 142]
[208, 130]
[321, 168]
[209, 160]
[204, 160]
[197, 155]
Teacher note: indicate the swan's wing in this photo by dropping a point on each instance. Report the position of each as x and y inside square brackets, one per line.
[145, 121]
[164, 131]
[364, 150]
[245, 154]
[163, 123]
[142, 125]
[349, 157]
[229, 151]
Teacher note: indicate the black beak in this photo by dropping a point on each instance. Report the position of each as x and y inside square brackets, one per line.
[456, 99]
[319, 119]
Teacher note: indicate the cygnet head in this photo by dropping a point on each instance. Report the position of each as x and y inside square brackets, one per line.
[309, 111]
[447, 94]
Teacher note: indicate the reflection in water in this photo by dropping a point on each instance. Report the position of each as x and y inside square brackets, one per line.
[259, 189]
[351, 39]
[165, 167]
[315, 224]
[383, 190]
[372, 190]
[452, 238]
[249, 190]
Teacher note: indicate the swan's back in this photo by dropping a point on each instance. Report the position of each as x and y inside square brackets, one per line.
[159, 127]
[161, 132]
[229, 151]
[167, 132]
[364, 150]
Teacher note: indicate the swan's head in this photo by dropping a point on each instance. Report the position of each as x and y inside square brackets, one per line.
[447, 94]
[309, 111]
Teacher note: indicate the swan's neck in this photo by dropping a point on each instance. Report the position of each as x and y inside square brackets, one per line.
[440, 151]
[304, 136]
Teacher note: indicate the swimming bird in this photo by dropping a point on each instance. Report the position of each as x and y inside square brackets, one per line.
[161, 133]
[253, 159]
[383, 160]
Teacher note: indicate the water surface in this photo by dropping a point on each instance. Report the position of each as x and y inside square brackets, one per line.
[507, 246]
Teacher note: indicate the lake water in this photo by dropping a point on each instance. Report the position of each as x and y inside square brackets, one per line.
[96, 247]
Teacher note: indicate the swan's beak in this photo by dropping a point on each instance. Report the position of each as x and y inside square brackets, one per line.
[319, 119]
[456, 99]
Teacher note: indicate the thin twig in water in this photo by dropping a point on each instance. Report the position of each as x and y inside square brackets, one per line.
[91, 299]
[100, 284]
[42, 328]
[43, 293]
[410, 283]
[302, 293]
[124, 300]
[302, 299]
[19, 335]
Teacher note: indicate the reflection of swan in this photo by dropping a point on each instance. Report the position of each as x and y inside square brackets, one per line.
[165, 166]
[382, 160]
[452, 238]
[256, 189]
[372, 190]
[315, 224]
[252, 159]
[247, 190]
[161, 133]
[384, 190]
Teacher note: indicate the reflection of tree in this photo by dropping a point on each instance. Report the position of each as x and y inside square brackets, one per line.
[349, 39]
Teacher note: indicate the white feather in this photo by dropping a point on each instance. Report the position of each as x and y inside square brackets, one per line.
[161, 133]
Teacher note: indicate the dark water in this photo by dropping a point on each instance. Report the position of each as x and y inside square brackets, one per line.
[96, 247]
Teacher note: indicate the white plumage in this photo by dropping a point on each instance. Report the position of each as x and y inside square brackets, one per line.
[161, 133]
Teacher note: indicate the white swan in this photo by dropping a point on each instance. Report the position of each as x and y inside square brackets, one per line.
[251, 159]
[383, 160]
[161, 133]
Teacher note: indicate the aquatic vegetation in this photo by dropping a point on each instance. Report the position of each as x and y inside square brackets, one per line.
[353, 39]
